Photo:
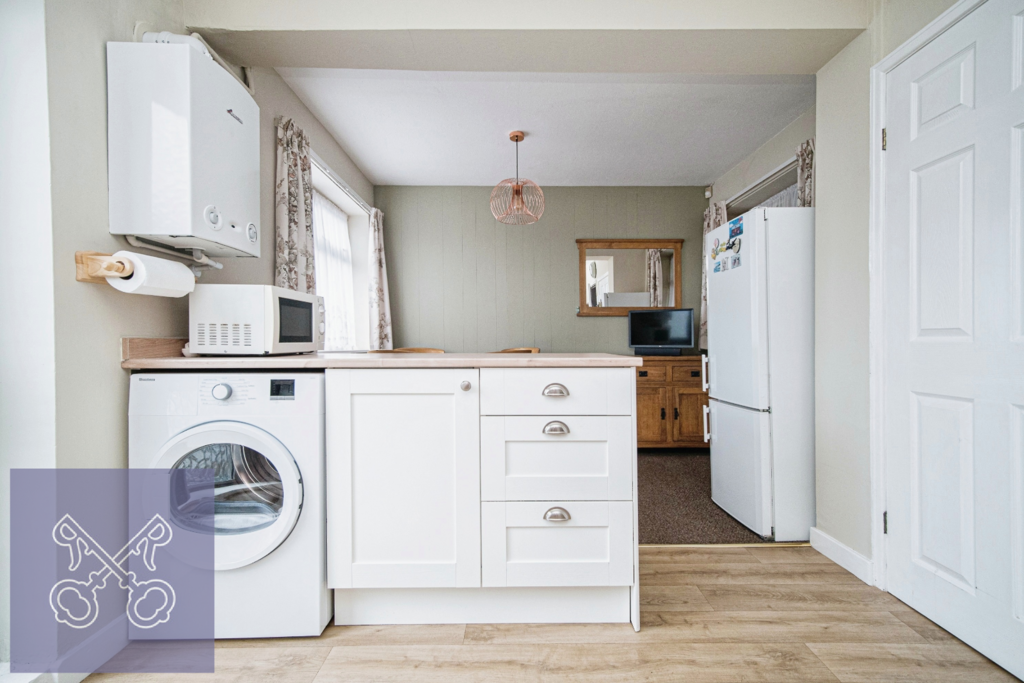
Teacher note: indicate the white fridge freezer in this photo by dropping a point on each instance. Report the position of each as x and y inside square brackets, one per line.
[760, 270]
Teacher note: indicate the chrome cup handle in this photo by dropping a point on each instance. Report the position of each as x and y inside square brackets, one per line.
[555, 391]
[557, 515]
[556, 428]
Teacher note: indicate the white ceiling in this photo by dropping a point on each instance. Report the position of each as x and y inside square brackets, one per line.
[451, 128]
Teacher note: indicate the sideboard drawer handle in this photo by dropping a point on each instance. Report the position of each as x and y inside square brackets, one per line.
[555, 390]
[557, 515]
[556, 428]
[643, 373]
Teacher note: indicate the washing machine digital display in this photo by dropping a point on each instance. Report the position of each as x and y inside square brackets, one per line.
[282, 390]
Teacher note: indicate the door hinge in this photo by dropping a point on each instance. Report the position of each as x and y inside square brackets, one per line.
[883, 139]
[885, 522]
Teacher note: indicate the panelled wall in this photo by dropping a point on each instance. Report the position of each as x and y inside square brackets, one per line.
[461, 281]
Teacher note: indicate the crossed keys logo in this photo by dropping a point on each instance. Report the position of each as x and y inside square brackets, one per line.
[76, 603]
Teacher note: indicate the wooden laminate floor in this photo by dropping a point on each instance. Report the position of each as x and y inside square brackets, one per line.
[722, 615]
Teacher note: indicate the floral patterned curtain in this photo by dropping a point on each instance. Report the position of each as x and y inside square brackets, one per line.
[293, 219]
[380, 304]
[805, 174]
[654, 275]
[714, 216]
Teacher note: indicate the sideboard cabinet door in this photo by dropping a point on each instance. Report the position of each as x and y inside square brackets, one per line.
[403, 478]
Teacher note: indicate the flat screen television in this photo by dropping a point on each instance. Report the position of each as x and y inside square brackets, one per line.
[661, 333]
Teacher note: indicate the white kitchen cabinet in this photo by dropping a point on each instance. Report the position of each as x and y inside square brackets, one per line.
[556, 391]
[516, 483]
[403, 478]
[556, 457]
[558, 544]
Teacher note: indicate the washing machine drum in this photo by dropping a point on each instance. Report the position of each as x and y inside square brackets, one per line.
[257, 489]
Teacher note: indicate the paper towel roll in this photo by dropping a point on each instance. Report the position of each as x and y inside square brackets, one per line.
[154, 276]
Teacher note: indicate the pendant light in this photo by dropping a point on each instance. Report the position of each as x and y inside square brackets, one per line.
[517, 201]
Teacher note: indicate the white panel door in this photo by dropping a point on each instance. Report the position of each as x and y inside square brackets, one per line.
[741, 464]
[954, 342]
[734, 256]
[403, 478]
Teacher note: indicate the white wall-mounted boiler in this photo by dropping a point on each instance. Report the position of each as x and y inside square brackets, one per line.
[183, 150]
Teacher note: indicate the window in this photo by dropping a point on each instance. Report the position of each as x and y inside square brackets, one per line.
[333, 254]
[353, 308]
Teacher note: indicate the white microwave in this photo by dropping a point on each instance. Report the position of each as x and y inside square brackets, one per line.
[254, 320]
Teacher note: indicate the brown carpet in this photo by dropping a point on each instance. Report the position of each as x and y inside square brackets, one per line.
[675, 500]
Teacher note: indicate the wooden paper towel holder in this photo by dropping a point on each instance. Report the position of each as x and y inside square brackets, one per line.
[95, 266]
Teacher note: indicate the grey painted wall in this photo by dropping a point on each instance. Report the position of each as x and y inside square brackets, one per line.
[461, 281]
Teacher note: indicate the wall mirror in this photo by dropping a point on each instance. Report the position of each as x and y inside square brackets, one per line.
[618, 276]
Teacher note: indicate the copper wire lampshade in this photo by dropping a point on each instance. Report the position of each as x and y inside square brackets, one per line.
[517, 201]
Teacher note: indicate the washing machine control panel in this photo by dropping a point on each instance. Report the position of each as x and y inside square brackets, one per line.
[227, 394]
[224, 391]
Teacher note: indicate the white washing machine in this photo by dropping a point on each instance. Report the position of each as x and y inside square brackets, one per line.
[263, 435]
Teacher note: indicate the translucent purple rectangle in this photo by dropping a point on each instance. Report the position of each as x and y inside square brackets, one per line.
[106, 573]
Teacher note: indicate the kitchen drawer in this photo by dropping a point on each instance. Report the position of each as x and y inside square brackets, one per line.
[651, 373]
[594, 547]
[522, 460]
[535, 391]
[687, 375]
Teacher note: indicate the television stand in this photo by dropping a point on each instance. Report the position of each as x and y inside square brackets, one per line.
[657, 351]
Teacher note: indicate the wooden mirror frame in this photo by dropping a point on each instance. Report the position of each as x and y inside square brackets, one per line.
[676, 246]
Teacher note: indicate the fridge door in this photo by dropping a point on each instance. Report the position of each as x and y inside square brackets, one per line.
[741, 474]
[734, 257]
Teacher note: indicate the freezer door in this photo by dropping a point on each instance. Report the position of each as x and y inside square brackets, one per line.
[741, 473]
[734, 256]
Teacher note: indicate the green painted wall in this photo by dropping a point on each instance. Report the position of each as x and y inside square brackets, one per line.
[461, 281]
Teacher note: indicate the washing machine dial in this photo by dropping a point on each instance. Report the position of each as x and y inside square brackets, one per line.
[222, 392]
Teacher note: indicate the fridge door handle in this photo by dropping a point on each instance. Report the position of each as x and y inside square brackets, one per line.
[704, 371]
[707, 431]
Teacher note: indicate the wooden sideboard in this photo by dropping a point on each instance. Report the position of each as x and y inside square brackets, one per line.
[670, 401]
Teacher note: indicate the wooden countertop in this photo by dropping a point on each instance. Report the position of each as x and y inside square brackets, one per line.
[321, 361]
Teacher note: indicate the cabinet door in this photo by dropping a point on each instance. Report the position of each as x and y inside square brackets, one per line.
[688, 415]
[651, 415]
[403, 478]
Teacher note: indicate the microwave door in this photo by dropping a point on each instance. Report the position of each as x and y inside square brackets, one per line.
[295, 321]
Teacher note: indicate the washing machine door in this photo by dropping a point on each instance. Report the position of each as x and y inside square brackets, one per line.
[257, 489]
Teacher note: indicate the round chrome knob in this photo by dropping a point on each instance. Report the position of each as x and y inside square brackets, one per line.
[465, 386]
[222, 392]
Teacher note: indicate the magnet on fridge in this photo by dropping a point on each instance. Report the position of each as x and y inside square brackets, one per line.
[735, 262]
[718, 266]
